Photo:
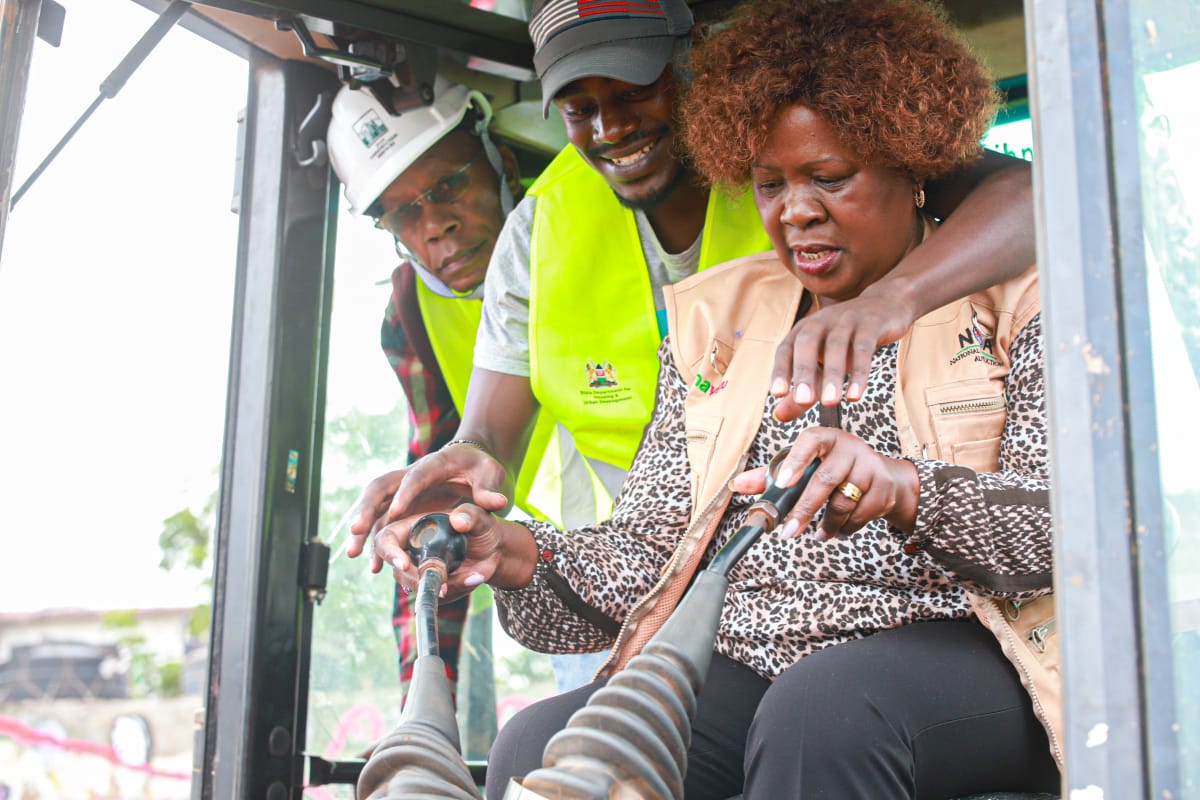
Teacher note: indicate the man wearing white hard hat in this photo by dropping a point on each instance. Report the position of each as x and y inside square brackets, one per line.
[432, 177]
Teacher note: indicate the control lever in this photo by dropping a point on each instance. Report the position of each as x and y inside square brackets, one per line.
[422, 757]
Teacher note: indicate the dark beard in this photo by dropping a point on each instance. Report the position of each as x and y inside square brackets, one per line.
[658, 198]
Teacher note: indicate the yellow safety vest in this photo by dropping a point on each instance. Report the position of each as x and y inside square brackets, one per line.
[593, 329]
[452, 324]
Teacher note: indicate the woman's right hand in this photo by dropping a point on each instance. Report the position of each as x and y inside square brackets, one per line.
[498, 552]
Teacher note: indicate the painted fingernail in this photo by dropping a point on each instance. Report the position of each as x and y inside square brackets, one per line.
[804, 394]
[783, 477]
[779, 387]
[473, 580]
[790, 529]
[829, 395]
[821, 535]
[854, 392]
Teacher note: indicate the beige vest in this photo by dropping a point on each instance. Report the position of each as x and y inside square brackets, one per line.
[949, 405]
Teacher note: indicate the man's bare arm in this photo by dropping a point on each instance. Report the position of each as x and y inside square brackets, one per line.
[497, 421]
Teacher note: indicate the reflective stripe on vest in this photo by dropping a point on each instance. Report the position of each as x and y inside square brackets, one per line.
[593, 330]
[452, 324]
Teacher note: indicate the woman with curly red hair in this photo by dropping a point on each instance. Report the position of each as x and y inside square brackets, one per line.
[850, 661]
[897, 82]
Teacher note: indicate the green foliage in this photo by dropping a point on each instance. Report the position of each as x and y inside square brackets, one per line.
[170, 679]
[200, 621]
[122, 618]
[524, 672]
[365, 443]
[186, 536]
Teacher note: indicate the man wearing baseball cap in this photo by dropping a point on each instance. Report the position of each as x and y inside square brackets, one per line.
[569, 321]
[630, 42]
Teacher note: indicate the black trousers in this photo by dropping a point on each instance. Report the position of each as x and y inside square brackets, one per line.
[927, 711]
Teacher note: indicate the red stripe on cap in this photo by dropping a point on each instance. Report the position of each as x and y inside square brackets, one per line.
[619, 14]
[591, 7]
[586, 3]
[558, 15]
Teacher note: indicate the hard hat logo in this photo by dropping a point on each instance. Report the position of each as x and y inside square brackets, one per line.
[369, 127]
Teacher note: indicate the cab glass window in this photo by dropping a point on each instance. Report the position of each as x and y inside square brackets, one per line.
[1167, 70]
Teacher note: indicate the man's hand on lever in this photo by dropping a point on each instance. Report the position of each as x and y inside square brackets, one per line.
[464, 467]
[372, 511]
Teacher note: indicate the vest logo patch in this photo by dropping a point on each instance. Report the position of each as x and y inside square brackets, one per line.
[603, 389]
[600, 376]
[707, 387]
[975, 340]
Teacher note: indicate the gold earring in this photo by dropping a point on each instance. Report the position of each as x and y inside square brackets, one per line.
[919, 198]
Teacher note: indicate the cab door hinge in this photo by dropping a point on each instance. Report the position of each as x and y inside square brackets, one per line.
[314, 570]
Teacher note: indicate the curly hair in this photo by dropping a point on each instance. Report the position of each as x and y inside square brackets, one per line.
[894, 78]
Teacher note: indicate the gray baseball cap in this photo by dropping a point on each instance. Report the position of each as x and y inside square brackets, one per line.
[627, 41]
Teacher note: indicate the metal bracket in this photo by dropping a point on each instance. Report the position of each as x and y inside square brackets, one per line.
[322, 772]
[50, 23]
[410, 83]
[399, 73]
[372, 68]
[310, 148]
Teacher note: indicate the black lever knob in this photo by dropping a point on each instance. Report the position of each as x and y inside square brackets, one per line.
[433, 540]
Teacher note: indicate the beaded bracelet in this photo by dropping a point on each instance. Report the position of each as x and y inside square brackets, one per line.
[472, 443]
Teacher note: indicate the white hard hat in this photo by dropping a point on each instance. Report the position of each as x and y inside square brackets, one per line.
[369, 146]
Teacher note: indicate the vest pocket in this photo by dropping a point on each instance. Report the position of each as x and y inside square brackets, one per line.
[702, 433]
[981, 456]
[967, 418]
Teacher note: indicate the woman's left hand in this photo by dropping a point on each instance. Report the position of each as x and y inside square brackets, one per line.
[854, 484]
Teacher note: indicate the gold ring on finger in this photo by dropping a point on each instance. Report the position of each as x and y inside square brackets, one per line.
[850, 491]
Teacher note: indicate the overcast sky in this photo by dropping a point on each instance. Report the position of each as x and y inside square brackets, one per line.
[115, 299]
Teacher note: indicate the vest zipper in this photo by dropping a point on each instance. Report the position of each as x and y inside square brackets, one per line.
[971, 406]
[1014, 649]
[657, 589]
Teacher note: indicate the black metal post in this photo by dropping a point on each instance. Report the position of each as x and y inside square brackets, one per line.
[258, 668]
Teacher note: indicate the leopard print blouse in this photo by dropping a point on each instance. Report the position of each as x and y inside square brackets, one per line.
[790, 597]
